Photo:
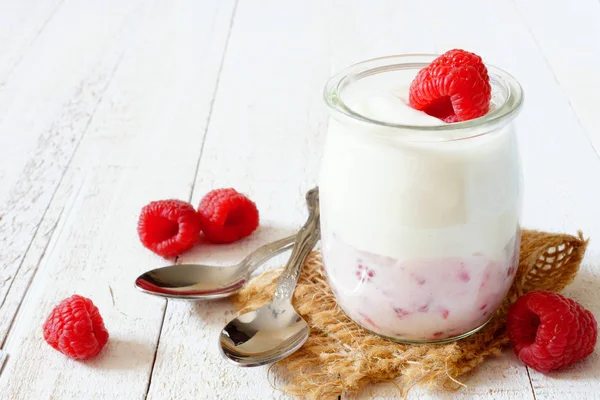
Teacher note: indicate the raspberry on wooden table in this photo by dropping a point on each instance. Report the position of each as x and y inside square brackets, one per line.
[75, 328]
[227, 216]
[169, 227]
[549, 331]
[454, 87]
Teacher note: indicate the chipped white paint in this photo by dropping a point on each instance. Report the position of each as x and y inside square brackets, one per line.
[142, 142]
[105, 106]
[45, 108]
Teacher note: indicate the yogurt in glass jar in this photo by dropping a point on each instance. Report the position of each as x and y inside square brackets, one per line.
[419, 218]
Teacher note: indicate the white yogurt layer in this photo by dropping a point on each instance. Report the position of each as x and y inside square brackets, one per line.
[389, 195]
[393, 107]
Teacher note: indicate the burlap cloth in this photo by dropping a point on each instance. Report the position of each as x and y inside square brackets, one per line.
[339, 356]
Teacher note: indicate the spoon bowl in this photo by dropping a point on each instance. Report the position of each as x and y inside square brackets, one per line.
[262, 336]
[191, 281]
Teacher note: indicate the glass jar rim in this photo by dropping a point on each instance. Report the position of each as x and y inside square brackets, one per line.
[498, 77]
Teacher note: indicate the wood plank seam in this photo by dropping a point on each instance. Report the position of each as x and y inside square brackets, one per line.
[53, 230]
[549, 66]
[67, 206]
[212, 101]
[77, 130]
[558, 83]
[530, 383]
[58, 185]
[3, 357]
[37, 35]
[208, 118]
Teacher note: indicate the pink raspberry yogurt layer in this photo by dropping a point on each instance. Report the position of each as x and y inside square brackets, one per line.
[418, 299]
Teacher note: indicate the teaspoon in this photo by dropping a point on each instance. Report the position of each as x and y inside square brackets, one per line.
[275, 330]
[203, 282]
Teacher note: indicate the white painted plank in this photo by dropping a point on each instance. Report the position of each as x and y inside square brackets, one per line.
[568, 35]
[21, 23]
[46, 106]
[264, 139]
[142, 143]
[75, 41]
[361, 30]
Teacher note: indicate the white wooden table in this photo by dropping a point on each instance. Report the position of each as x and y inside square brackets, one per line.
[106, 105]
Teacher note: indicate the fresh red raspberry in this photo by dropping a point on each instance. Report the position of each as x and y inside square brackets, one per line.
[227, 216]
[75, 328]
[549, 331]
[454, 87]
[169, 227]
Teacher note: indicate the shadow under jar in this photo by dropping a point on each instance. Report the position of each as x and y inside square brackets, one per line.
[420, 223]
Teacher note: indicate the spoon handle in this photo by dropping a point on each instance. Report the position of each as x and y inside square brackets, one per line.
[263, 253]
[306, 239]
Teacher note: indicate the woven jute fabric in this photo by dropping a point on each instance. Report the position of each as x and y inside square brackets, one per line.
[341, 357]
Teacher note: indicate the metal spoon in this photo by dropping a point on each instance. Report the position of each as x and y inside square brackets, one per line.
[202, 282]
[274, 331]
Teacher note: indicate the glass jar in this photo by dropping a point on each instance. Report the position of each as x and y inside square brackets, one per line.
[420, 224]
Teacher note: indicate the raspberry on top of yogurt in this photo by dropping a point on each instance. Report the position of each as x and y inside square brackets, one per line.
[455, 87]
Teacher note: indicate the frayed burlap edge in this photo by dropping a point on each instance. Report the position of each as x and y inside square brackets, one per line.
[339, 356]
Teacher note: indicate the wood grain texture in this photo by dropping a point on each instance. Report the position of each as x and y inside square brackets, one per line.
[263, 139]
[104, 106]
[46, 107]
[142, 143]
[568, 38]
[21, 23]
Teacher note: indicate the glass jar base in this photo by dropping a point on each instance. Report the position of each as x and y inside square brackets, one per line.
[429, 341]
